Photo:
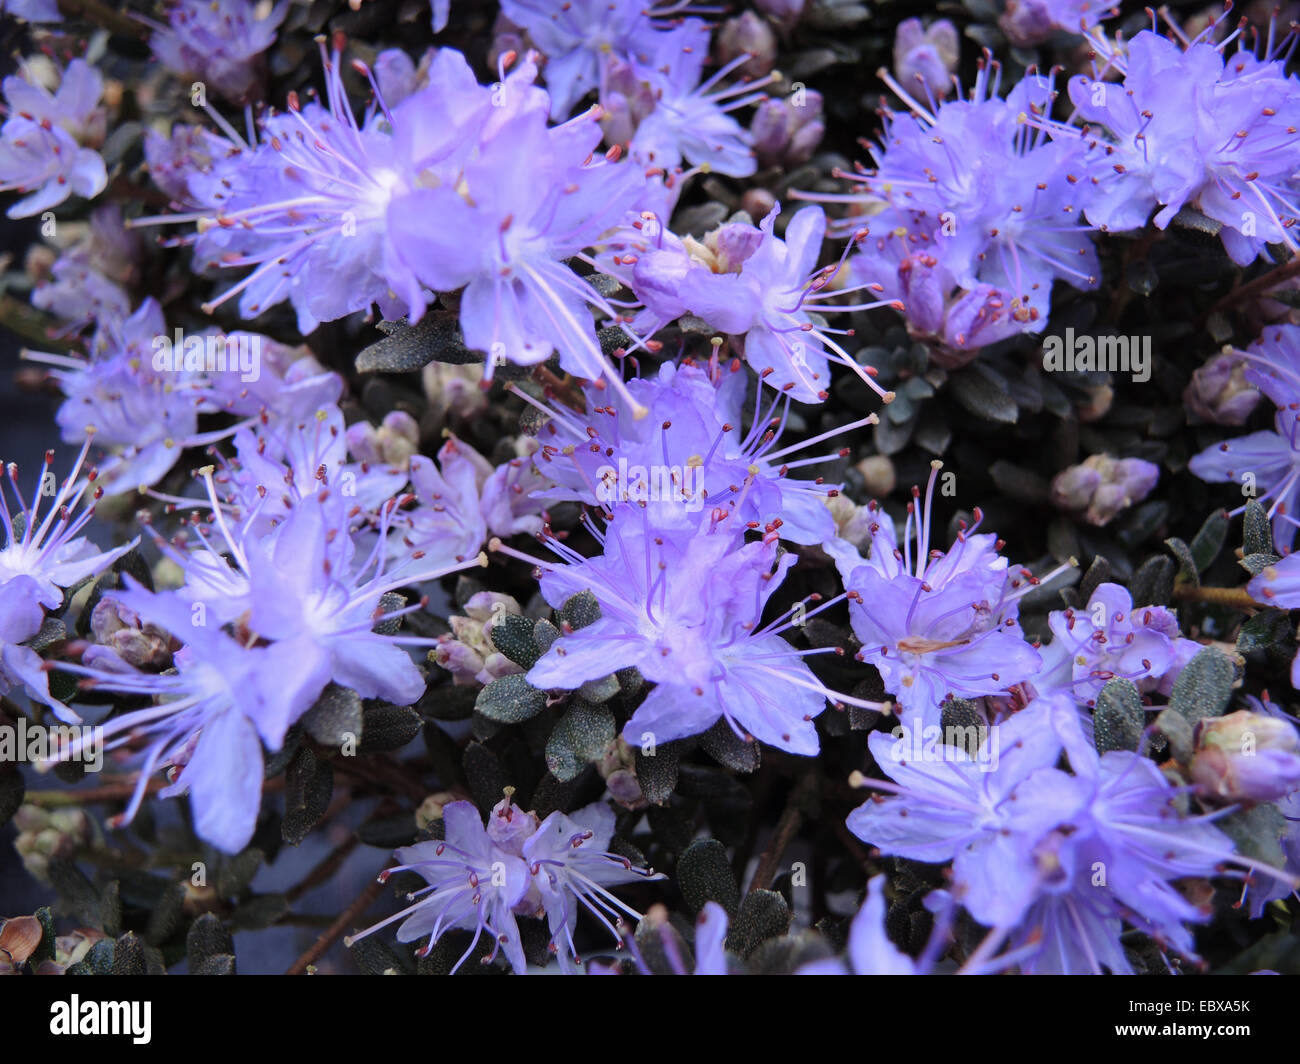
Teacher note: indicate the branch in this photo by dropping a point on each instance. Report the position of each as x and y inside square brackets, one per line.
[337, 929]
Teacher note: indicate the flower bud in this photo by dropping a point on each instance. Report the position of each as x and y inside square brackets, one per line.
[392, 443]
[1246, 756]
[119, 628]
[786, 132]
[1219, 391]
[748, 33]
[928, 54]
[1101, 487]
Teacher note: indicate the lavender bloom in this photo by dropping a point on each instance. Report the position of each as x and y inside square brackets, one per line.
[986, 821]
[688, 116]
[944, 625]
[142, 417]
[1268, 463]
[43, 554]
[41, 152]
[481, 879]
[307, 586]
[462, 501]
[579, 38]
[745, 281]
[1230, 154]
[87, 280]
[998, 196]
[690, 460]
[787, 132]
[219, 44]
[926, 55]
[1056, 862]
[685, 609]
[223, 702]
[501, 233]
[1110, 638]
[475, 883]
[904, 261]
[570, 864]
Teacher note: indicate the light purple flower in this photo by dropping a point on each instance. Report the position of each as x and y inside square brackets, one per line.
[684, 608]
[218, 44]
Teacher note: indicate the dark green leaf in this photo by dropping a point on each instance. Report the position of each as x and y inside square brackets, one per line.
[309, 785]
[510, 700]
[704, 874]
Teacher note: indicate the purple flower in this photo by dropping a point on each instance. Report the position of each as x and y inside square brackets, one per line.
[501, 233]
[904, 261]
[746, 281]
[686, 116]
[43, 555]
[684, 608]
[475, 883]
[33, 10]
[691, 459]
[992, 186]
[218, 43]
[944, 625]
[1266, 465]
[1055, 863]
[1190, 126]
[1109, 638]
[460, 502]
[570, 864]
[787, 131]
[1220, 392]
[215, 711]
[41, 152]
[481, 879]
[143, 418]
[87, 280]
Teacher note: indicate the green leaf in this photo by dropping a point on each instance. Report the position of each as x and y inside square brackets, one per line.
[510, 700]
[1257, 563]
[763, 914]
[727, 748]
[309, 785]
[1258, 832]
[1186, 562]
[166, 914]
[513, 636]
[657, 772]
[704, 874]
[1256, 529]
[408, 348]
[207, 938]
[336, 718]
[1208, 542]
[485, 776]
[1118, 718]
[1267, 628]
[984, 394]
[584, 734]
[579, 611]
[388, 727]
[259, 912]
[601, 690]
[1153, 583]
[1204, 687]
[235, 872]
[129, 956]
